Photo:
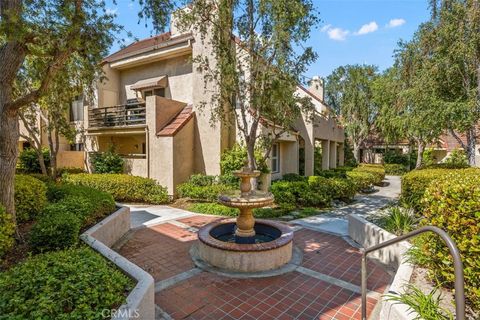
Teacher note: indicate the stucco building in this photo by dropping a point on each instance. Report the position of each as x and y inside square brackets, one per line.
[149, 107]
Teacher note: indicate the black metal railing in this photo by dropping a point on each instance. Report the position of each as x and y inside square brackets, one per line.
[457, 264]
[117, 116]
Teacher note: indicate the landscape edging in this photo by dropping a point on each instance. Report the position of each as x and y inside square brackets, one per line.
[140, 301]
[368, 234]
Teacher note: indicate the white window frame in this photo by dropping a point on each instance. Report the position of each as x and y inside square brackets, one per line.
[275, 157]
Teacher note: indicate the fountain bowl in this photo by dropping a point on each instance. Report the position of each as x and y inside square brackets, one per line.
[271, 250]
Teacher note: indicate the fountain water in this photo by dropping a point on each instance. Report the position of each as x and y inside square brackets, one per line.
[245, 245]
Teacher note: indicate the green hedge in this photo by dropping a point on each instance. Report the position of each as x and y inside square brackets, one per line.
[375, 169]
[122, 187]
[30, 197]
[395, 169]
[204, 187]
[7, 229]
[361, 179]
[73, 208]
[452, 203]
[291, 194]
[415, 183]
[70, 284]
[213, 208]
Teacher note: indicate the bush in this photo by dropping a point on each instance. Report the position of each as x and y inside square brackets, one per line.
[362, 180]
[376, 169]
[392, 157]
[452, 203]
[332, 174]
[293, 177]
[202, 180]
[56, 230]
[30, 197]
[7, 229]
[205, 193]
[122, 187]
[395, 169]
[457, 159]
[289, 195]
[416, 182]
[107, 162]
[234, 159]
[342, 189]
[213, 208]
[70, 284]
[28, 160]
[399, 220]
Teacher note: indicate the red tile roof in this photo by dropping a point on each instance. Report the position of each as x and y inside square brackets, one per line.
[177, 122]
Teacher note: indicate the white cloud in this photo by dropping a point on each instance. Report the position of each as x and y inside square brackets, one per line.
[111, 12]
[396, 23]
[337, 34]
[367, 28]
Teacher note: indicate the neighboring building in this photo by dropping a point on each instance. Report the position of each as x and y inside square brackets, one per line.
[373, 149]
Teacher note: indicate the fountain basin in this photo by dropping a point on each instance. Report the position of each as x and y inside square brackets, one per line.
[272, 250]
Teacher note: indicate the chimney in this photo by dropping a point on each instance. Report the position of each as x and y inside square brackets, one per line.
[316, 87]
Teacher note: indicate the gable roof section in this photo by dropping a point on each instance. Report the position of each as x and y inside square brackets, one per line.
[138, 45]
[177, 123]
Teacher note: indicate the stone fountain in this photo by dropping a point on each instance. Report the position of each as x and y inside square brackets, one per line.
[244, 245]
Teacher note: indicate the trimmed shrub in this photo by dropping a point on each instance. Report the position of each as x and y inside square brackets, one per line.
[202, 180]
[416, 182]
[7, 229]
[332, 174]
[375, 169]
[289, 195]
[362, 180]
[395, 169]
[201, 193]
[214, 208]
[452, 203]
[457, 159]
[342, 189]
[122, 187]
[28, 160]
[392, 157]
[70, 284]
[293, 177]
[30, 197]
[56, 230]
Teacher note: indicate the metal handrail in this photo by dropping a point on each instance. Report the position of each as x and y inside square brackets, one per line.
[457, 264]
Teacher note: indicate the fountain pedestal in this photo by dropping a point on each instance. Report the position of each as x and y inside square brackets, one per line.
[245, 245]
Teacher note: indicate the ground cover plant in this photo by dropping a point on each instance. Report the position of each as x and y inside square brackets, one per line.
[123, 187]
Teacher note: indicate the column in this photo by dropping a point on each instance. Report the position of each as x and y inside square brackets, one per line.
[341, 154]
[325, 154]
[309, 155]
[333, 154]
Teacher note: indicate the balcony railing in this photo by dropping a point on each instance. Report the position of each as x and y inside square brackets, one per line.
[117, 116]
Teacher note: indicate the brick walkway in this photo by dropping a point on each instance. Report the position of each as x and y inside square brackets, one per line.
[325, 287]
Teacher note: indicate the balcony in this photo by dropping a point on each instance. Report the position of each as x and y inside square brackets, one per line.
[126, 115]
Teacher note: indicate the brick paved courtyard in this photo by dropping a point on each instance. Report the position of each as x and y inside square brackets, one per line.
[324, 287]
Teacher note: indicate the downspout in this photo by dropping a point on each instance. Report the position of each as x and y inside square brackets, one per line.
[148, 151]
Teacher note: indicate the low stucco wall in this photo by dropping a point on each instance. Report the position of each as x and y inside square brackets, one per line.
[71, 159]
[140, 301]
[368, 234]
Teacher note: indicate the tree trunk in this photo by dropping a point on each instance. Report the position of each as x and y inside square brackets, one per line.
[421, 149]
[471, 145]
[41, 161]
[356, 152]
[9, 135]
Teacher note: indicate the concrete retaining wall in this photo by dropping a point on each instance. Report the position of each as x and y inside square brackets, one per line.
[140, 302]
[368, 234]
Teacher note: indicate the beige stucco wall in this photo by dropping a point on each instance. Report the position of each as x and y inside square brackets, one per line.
[71, 159]
[183, 153]
[124, 144]
[136, 166]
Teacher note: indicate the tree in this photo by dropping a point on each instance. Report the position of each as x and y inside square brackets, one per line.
[256, 71]
[38, 39]
[456, 55]
[349, 91]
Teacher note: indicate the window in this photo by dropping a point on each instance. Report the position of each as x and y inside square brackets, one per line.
[275, 158]
[76, 109]
[157, 92]
[77, 147]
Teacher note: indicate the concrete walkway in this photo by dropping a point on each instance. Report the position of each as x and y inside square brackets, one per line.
[335, 220]
[148, 215]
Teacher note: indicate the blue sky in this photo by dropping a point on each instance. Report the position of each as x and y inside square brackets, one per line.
[352, 31]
